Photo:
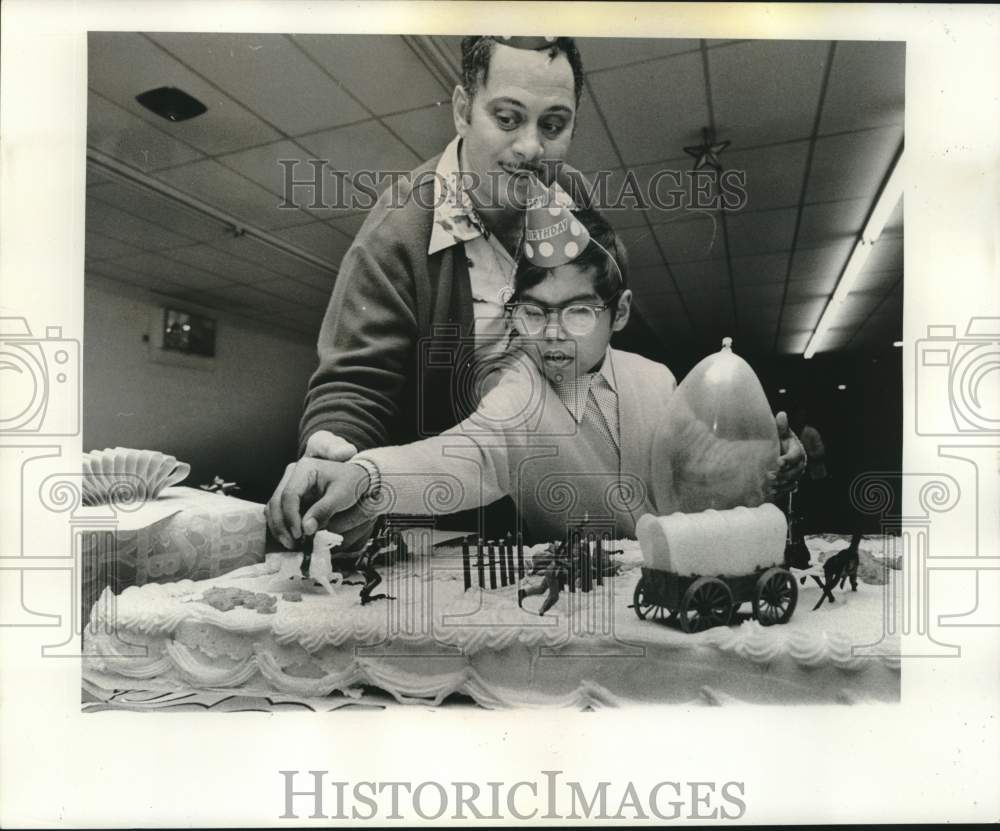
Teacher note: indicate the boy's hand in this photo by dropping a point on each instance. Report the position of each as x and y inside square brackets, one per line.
[791, 462]
[322, 487]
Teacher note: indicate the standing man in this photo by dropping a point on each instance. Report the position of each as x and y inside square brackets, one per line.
[429, 271]
[420, 293]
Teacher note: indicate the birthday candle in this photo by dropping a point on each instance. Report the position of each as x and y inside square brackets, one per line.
[466, 565]
[479, 563]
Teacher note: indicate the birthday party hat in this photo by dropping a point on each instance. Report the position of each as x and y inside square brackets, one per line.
[552, 235]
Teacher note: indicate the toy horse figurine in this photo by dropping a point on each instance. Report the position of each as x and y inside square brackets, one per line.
[553, 569]
[841, 567]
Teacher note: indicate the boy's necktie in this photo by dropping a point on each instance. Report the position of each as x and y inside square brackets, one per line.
[592, 413]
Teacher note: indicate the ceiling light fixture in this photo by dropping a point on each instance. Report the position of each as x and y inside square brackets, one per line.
[897, 343]
[888, 198]
[782, 391]
[841, 387]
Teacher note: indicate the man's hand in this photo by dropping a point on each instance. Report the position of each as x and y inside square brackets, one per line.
[791, 462]
[325, 445]
[311, 491]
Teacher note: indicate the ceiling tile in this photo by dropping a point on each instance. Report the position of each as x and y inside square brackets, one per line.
[857, 306]
[151, 282]
[129, 139]
[174, 271]
[830, 222]
[111, 222]
[399, 81]
[887, 255]
[774, 175]
[691, 240]
[361, 147]
[760, 268]
[811, 289]
[650, 280]
[222, 264]
[754, 297]
[656, 125]
[837, 338]
[264, 256]
[604, 53]
[309, 302]
[853, 165]
[802, 315]
[100, 247]
[319, 239]
[793, 343]
[591, 148]
[812, 263]
[286, 170]
[160, 210]
[95, 178]
[667, 318]
[268, 75]
[426, 130]
[641, 248]
[705, 276]
[254, 297]
[656, 193]
[123, 64]
[878, 280]
[230, 192]
[790, 71]
[318, 279]
[350, 224]
[761, 232]
[866, 87]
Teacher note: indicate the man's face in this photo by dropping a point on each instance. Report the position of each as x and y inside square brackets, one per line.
[522, 116]
[560, 354]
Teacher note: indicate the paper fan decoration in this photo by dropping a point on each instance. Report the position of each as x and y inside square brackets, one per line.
[124, 474]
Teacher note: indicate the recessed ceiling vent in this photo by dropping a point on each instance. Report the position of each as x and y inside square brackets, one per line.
[171, 103]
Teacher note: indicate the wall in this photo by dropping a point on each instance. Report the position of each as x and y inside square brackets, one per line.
[239, 421]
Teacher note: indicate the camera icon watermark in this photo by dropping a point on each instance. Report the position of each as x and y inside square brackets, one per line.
[41, 381]
[958, 380]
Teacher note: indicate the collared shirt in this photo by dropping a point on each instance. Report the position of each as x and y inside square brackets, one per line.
[491, 267]
[574, 392]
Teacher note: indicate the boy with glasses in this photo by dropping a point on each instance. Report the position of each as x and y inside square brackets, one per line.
[566, 430]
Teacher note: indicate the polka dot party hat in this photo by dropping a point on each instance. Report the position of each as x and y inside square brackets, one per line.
[552, 235]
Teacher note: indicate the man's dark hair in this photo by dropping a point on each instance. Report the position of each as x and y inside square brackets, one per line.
[477, 52]
[610, 277]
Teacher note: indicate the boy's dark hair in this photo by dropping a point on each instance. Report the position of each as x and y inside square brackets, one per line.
[477, 52]
[610, 278]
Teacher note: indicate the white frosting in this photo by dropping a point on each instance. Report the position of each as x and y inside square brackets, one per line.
[590, 650]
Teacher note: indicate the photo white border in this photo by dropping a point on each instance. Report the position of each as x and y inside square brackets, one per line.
[931, 758]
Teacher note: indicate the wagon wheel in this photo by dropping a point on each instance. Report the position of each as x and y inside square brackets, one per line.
[644, 606]
[707, 602]
[775, 597]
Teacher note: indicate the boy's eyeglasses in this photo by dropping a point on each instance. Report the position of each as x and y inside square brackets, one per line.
[576, 319]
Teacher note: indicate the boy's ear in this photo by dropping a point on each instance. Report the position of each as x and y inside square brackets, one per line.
[622, 311]
[461, 109]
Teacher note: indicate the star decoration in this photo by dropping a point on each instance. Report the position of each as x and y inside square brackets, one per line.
[707, 153]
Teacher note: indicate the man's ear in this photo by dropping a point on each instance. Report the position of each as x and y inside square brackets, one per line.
[622, 311]
[461, 109]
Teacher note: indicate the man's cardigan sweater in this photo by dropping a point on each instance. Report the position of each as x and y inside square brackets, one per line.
[522, 442]
[397, 335]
